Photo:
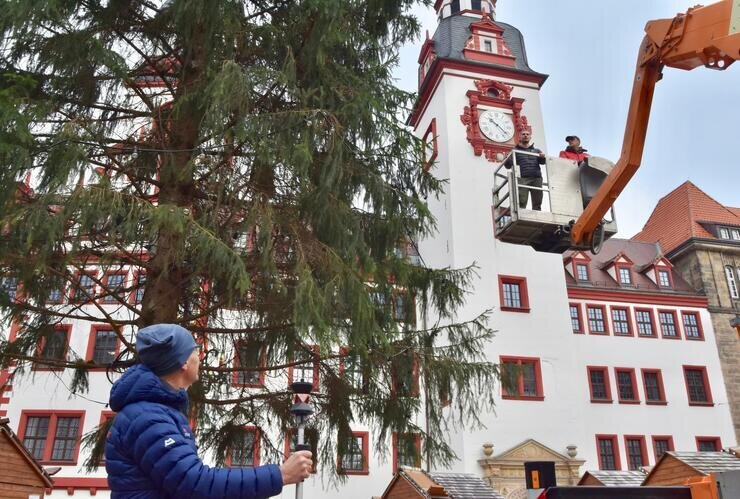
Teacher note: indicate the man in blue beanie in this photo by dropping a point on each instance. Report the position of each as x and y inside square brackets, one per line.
[150, 452]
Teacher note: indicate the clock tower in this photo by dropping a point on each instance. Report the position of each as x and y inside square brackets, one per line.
[477, 93]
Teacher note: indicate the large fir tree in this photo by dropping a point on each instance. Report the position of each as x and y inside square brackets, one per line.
[249, 159]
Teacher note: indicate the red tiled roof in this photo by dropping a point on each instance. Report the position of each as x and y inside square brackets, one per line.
[642, 255]
[677, 216]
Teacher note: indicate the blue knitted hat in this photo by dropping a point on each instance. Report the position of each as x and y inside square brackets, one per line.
[164, 348]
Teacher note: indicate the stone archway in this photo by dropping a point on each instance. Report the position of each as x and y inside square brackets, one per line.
[505, 472]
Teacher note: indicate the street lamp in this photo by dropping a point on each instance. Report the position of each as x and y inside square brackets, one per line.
[301, 410]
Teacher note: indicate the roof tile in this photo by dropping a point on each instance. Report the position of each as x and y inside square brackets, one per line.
[677, 216]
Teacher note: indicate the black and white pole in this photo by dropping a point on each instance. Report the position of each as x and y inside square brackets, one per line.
[301, 410]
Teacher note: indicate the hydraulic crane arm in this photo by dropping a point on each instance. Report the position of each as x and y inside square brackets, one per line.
[704, 36]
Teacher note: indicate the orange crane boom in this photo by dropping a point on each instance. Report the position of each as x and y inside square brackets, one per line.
[704, 36]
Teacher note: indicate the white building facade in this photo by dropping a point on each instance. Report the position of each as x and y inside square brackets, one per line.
[590, 388]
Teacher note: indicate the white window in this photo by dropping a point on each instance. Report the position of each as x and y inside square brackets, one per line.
[735, 234]
[724, 233]
[582, 271]
[624, 276]
[664, 279]
[731, 284]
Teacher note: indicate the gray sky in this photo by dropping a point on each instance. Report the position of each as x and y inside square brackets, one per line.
[589, 49]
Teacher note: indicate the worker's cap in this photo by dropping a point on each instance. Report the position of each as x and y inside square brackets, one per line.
[164, 348]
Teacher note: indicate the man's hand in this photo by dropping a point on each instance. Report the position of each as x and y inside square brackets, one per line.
[297, 467]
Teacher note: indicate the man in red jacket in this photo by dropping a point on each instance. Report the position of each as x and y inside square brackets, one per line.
[574, 151]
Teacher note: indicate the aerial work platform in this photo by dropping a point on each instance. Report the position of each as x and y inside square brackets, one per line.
[566, 190]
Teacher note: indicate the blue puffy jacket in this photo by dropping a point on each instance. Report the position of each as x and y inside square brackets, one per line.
[151, 454]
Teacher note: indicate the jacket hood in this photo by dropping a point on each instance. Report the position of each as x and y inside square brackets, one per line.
[140, 384]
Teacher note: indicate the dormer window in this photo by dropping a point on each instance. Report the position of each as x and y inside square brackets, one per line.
[454, 6]
[487, 45]
[729, 234]
[664, 278]
[625, 277]
[582, 272]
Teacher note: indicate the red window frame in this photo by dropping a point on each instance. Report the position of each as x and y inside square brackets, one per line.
[604, 314]
[316, 372]
[540, 392]
[431, 130]
[91, 344]
[607, 385]
[643, 451]
[263, 363]
[62, 295]
[661, 387]
[585, 263]
[633, 380]
[523, 292]
[699, 327]
[615, 447]
[255, 448]
[658, 270]
[105, 416]
[134, 285]
[667, 438]
[675, 322]
[414, 379]
[343, 353]
[617, 273]
[707, 387]
[582, 328]
[365, 456]
[75, 287]
[630, 327]
[417, 444]
[39, 365]
[651, 315]
[110, 299]
[716, 440]
[51, 433]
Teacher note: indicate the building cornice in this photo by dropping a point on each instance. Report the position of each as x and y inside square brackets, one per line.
[633, 296]
[697, 243]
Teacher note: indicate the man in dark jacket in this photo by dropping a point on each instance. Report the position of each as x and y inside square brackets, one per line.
[150, 452]
[529, 170]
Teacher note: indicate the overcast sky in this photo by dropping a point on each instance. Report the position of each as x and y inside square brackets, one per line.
[589, 49]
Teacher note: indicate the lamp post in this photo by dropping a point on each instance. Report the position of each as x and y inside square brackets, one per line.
[301, 410]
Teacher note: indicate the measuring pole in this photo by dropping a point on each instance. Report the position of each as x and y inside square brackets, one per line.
[301, 410]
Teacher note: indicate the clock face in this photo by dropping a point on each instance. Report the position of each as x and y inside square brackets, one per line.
[496, 125]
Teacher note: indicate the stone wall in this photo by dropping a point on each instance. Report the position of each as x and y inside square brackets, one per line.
[704, 268]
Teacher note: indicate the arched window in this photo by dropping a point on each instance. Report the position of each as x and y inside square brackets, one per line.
[731, 284]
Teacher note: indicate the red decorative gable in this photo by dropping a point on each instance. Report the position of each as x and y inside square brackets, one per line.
[487, 44]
